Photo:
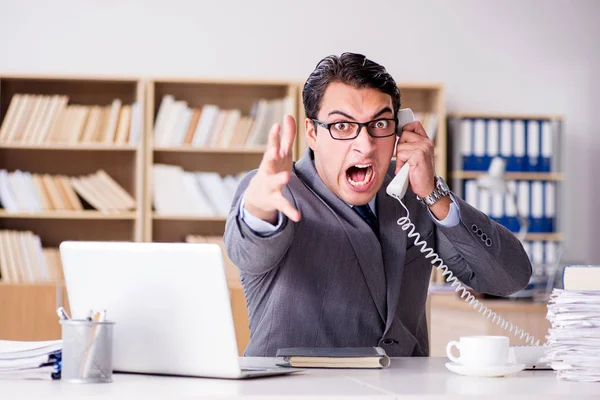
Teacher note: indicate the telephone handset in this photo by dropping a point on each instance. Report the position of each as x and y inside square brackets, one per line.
[397, 189]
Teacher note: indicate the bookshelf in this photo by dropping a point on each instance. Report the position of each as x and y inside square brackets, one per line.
[49, 133]
[60, 155]
[423, 99]
[530, 146]
[210, 154]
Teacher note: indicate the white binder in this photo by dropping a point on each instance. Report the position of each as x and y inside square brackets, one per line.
[519, 144]
[550, 206]
[537, 207]
[547, 146]
[533, 145]
[479, 145]
[466, 141]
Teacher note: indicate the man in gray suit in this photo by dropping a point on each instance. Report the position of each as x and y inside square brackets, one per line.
[322, 259]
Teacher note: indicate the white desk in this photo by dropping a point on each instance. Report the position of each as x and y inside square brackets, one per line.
[406, 378]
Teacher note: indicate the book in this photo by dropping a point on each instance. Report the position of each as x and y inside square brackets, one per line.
[581, 277]
[334, 357]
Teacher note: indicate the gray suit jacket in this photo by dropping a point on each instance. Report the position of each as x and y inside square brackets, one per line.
[327, 281]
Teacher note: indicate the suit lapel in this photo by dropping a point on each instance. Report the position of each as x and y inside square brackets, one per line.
[393, 243]
[363, 241]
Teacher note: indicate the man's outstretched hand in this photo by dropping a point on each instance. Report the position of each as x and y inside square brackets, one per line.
[264, 195]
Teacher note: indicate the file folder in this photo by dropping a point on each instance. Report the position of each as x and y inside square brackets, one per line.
[498, 208]
[466, 149]
[506, 144]
[550, 206]
[533, 145]
[471, 196]
[547, 147]
[493, 141]
[479, 146]
[523, 199]
[519, 143]
[512, 222]
[536, 219]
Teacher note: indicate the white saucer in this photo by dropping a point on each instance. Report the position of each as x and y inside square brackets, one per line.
[500, 370]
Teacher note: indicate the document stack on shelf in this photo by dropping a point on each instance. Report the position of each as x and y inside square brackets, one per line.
[179, 192]
[30, 360]
[573, 348]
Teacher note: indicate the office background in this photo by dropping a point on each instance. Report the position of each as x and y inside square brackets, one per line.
[510, 56]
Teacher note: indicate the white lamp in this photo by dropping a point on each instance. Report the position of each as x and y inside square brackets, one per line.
[495, 182]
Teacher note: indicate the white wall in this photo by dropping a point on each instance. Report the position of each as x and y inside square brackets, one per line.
[514, 56]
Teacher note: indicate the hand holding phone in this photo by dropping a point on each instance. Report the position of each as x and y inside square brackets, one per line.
[415, 148]
[397, 187]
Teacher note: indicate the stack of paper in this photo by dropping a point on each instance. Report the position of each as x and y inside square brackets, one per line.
[573, 348]
[30, 360]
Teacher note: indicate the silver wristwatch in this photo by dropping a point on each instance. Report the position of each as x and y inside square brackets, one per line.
[441, 190]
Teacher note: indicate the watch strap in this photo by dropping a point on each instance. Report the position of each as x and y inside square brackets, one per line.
[434, 196]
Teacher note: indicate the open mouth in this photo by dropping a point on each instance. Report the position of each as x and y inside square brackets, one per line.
[359, 175]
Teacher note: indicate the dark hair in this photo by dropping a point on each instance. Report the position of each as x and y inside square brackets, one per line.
[351, 69]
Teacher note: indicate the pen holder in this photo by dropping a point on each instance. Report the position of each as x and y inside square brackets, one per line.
[87, 351]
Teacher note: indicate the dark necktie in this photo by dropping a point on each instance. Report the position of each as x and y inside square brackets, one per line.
[365, 212]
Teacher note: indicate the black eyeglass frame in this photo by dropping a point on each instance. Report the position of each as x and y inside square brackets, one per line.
[360, 126]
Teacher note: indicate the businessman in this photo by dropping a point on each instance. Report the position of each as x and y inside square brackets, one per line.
[322, 259]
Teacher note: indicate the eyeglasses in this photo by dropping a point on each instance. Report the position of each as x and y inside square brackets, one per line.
[345, 130]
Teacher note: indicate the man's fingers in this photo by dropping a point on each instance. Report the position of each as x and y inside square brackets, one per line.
[289, 134]
[279, 180]
[415, 127]
[273, 141]
[399, 164]
[283, 205]
[412, 137]
[272, 152]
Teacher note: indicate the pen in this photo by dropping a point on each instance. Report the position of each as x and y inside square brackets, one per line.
[62, 313]
[89, 356]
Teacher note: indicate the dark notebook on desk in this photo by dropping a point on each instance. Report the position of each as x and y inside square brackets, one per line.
[334, 357]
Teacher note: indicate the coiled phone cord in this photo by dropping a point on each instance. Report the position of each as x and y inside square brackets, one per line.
[406, 224]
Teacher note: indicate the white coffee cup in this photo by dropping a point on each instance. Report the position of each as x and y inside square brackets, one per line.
[480, 351]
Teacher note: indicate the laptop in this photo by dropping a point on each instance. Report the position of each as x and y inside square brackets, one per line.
[169, 301]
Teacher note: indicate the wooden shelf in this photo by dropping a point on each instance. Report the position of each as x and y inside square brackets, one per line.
[216, 150]
[69, 147]
[186, 218]
[524, 176]
[545, 237]
[32, 285]
[91, 214]
[481, 115]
